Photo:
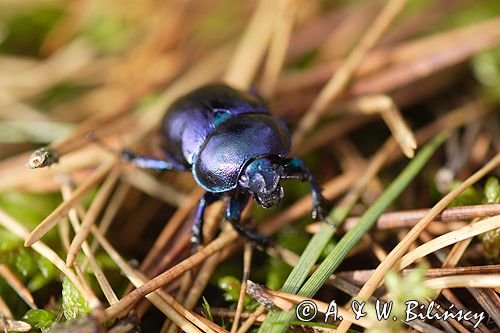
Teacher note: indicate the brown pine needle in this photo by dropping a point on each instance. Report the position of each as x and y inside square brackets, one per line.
[252, 319]
[252, 46]
[279, 44]
[14, 282]
[359, 277]
[171, 227]
[169, 275]
[465, 281]
[341, 77]
[409, 218]
[58, 213]
[152, 186]
[16, 228]
[391, 115]
[92, 214]
[4, 308]
[166, 303]
[98, 273]
[402, 246]
[247, 261]
[452, 237]
[110, 212]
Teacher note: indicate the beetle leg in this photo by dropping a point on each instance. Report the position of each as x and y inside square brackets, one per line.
[237, 203]
[197, 232]
[146, 162]
[296, 168]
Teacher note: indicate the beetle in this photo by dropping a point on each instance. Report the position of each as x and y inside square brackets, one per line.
[234, 147]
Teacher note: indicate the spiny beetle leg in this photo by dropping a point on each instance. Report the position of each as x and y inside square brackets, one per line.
[237, 203]
[296, 168]
[197, 232]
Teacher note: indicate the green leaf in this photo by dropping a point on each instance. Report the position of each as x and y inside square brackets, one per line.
[468, 197]
[492, 191]
[40, 318]
[73, 302]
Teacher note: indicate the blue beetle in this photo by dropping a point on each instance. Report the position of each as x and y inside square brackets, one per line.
[234, 147]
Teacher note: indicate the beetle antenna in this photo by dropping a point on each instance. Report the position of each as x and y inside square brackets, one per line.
[93, 137]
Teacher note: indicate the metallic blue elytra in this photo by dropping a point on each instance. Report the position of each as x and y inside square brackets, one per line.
[234, 147]
[233, 144]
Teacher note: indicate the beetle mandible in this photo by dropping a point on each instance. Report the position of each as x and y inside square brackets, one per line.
[234, 147]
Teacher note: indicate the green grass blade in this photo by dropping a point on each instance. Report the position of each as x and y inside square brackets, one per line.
[277, 322]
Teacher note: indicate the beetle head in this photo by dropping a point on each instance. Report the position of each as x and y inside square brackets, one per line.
[261, 178]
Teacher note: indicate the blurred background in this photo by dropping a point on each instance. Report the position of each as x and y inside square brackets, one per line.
[111, 67]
